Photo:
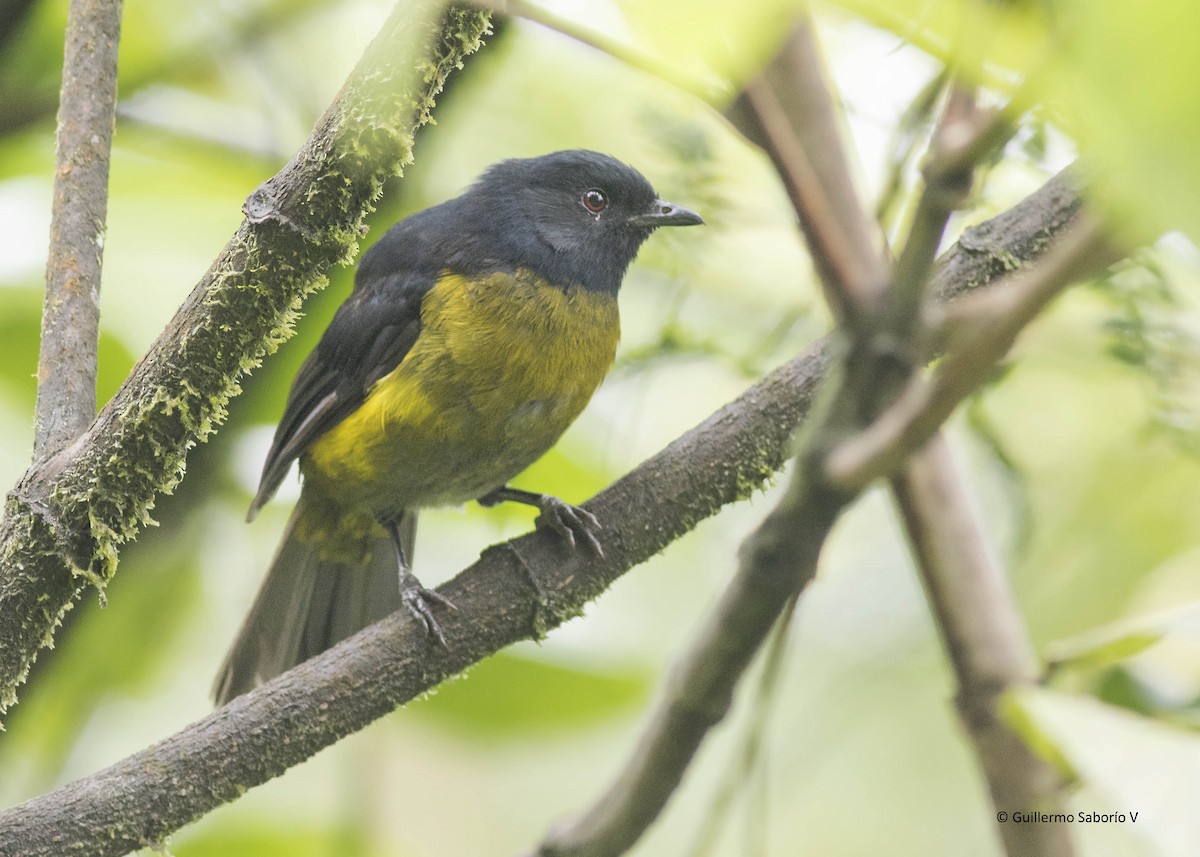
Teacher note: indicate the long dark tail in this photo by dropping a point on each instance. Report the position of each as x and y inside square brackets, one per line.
[307, 604]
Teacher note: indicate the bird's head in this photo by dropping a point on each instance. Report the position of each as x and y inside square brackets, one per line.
[581, 214]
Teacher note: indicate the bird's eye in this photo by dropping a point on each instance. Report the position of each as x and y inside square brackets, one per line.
[595, 201]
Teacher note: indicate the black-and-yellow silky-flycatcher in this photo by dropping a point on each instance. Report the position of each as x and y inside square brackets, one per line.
[476, 332]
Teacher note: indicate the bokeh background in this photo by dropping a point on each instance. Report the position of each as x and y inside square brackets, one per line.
[1082, 455]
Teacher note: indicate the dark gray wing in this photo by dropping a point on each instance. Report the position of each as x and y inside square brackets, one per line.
[378, 324]
[368, 337]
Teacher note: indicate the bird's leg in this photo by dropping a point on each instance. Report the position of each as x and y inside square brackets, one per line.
[413, 595]
[571, 522]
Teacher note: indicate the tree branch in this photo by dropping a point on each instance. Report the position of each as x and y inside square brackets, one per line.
[944, 191]
[978, 619]
[65, 521]
[66, 397]
[261, 734]
[780, 557]
[993, 326]
[985, 640]
[516, 591]
[776, 562]
[788, 113]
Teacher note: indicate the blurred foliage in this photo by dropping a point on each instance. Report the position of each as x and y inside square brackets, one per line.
[1139, 131]
[528, 697]
[1082, 450]
[1153, 332]
[1146, 768]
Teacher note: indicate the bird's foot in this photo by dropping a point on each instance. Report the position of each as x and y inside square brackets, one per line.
[417, 599]
[572, 523]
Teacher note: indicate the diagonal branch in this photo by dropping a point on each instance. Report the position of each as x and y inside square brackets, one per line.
[987, 644]
[516, 591]
[703, 681]
[799, 129]
[993, 325]
[66, 398]
[780, 557]
[66, 520]
[974, 611]
[944, 191]
[277, 726]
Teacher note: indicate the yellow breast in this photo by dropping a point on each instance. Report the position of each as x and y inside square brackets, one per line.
[502, 366]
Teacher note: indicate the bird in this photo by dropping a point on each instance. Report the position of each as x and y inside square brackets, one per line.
[475, 333]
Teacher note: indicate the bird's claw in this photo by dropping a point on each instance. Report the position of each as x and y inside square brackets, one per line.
[572, 523]
[416, 599]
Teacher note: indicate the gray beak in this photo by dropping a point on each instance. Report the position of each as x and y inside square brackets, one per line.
[666, 214]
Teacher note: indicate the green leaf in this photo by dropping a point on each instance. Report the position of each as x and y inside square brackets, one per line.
[1124, 688]
[1019, 719]
[1109, 644]
[1129, 764]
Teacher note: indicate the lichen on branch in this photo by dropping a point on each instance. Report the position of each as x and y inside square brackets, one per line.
[66, 520]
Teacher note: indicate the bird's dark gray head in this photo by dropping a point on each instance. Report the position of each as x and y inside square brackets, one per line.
[575, 217]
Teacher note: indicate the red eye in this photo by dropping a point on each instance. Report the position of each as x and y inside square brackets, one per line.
[595, 201]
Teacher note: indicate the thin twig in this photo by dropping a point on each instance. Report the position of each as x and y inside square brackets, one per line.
[995, 322]
[987, 132]
[944, 191]
[965, 136]
[910, 128]
[987, 644]
[992, 128]
[66, 397]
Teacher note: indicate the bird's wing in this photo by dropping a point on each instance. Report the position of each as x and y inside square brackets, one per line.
[367, 338]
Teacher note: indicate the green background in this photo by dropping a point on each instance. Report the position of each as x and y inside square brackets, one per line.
[1082, 452]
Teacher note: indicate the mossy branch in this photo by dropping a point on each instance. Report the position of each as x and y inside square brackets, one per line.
[517, 590]
[67, 518]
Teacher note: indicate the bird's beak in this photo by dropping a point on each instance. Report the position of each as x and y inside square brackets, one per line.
[666, 214]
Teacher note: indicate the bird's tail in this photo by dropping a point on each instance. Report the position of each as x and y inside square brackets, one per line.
[327, 582]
